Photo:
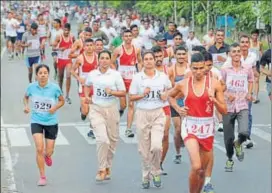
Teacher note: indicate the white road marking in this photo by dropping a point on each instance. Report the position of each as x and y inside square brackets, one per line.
[61, 140]
[2, 121]
[83, 130]
[18, 137]
[8, 161]
[262, 134]
[2, 52]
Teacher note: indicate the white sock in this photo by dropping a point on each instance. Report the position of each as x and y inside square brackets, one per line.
[207, 180]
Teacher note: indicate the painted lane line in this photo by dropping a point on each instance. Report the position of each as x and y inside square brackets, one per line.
[8, 162]
[61, 139]
[18, 137]
[83, 130]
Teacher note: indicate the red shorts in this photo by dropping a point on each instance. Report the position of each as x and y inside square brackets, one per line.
[82, 93]
[63, 63]
[127, 84]
[167, 110]
[42, 38]
[205, 144]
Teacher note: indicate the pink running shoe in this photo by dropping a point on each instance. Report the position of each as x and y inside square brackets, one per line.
[48, 160]
[42, 181]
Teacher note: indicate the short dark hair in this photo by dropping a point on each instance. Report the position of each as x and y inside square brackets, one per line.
[177, 34]
[156, 49]
[149, 52]
[244, 36]
[133, 26]
[104, 52]
[88, 40]
[88, 29]
[67, 26]
[220, 30]
[200, 49]
[99, 40]
[182, 48]
[234, 45]
[255, 31]
[207, 56]
[127, 31]
[197, 57]
[58, 21]
[42, 66]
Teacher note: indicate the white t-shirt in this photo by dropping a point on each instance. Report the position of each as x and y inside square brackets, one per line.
[208, 40]
[100, 81]
[157, 85]
[194, 42]
[184, 31]
[10, 29]
[138, 42]
[249, 62]
[147, 36]
[111, 33]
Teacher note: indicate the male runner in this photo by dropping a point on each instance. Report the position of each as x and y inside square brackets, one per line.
[130, 62]
[200, 93]
[238, 81]
[85, 62]
[176, 73]
[63, 43]
[266, 61]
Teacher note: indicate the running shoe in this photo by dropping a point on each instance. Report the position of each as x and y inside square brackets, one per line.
[83, 117]
[100, 176]
[177, 159]
[229, 166]
[208, 188]
[162, 171]
[68, 100]
[91, 134]
[48, 160]
[220, 127]
[42, 181]
[157, 180]
[248, 144]
[108, 174]
[146, 184]
[121, 112]
[129, 133]
[239, 151]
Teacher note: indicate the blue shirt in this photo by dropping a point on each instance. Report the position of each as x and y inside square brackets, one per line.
[42, 99]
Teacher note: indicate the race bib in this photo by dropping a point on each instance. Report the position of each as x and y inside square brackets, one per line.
[154, 94]
[21, 29]
[200, 127]
[127, 72]
[42, 105]
[216, 62]
[100, 93]
[237, 82]
[64, 54]
[35, 44]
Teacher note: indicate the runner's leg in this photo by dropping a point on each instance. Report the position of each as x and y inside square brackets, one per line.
[206, 160]
[177, 138]
[68, 82]
[39, 143]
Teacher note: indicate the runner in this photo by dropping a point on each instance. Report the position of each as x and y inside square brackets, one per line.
[178, 41]
[238, 81]
[108, 86]
[56, 31]
[46, 98]
[162, 42]
[63, 43]
[85, 63]
[176, 74]
[266, 60]
[256, 47]
[42, 31]
[31, 41]
[20, 33]
[158, 52]
[201, 93]
[99, 47]
[129, 62]
[149, 88]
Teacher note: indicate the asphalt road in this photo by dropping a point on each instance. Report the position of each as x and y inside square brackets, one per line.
[74, 162]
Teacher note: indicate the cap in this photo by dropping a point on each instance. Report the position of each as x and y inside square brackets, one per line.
[160, 37]
[34, 26]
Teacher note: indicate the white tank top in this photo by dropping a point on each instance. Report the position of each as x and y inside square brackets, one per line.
[42, 30]
[54, 34]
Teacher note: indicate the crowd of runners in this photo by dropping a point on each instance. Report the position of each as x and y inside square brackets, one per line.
[159, 74]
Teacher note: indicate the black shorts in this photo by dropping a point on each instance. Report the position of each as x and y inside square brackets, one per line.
[54, 53]
[50, 131]
[174, 113]
[12, 39]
